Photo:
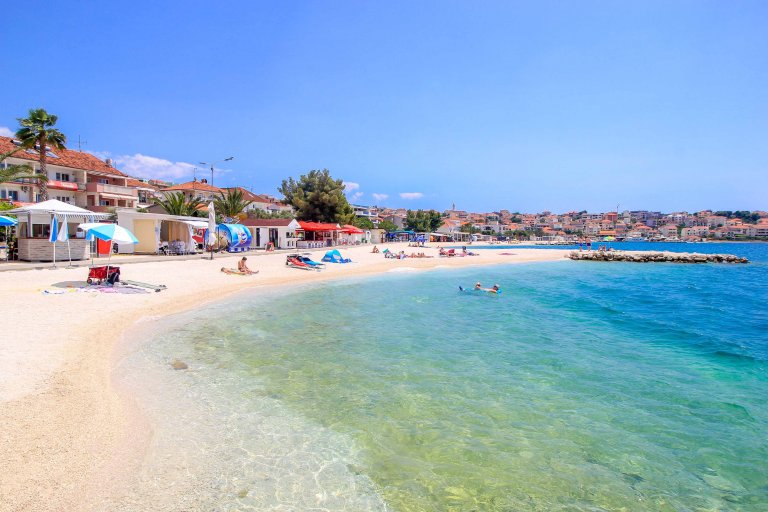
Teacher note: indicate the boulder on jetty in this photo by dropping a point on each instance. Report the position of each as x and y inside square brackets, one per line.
[651, 256]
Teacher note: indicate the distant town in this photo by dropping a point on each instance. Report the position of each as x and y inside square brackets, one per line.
[84, 180]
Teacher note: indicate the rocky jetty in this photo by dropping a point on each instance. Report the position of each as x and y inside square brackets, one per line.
[653, 257]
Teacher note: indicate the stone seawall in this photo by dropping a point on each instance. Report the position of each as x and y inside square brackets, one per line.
[655, 257]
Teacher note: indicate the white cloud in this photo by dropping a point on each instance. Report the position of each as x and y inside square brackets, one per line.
[6, 132]
[411, 195]
[144, 166]
[101, 155]
[356, 196]
[350, 186]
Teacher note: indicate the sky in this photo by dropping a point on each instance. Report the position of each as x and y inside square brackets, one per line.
[524, 106]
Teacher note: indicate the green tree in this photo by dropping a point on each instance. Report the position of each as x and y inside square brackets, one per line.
[18, 172]
[468, 227]
[387, 225]
[231, 204]
[316, 196]
[423, 221]
[37, 132]
[362, 223]
[265, 214]
[177, 204]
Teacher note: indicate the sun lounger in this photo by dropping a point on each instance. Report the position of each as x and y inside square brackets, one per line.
[297, 263]
[311, 263]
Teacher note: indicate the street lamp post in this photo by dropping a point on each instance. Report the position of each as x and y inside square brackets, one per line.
[212, 164]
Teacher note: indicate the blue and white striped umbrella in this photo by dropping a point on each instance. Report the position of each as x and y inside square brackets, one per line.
[7, 221]
[110, 233]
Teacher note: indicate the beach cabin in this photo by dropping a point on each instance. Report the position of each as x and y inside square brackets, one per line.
[281, 233]
[313, 235]
[160, 233]
[34, 231]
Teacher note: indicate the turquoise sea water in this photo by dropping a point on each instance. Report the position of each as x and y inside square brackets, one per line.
[584, 386]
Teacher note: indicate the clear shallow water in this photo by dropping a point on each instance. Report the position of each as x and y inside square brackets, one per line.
[584, 386]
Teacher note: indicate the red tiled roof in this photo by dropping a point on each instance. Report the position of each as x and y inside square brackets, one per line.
[250, 196]
[194, 185]
[66, 158]
[132, 182]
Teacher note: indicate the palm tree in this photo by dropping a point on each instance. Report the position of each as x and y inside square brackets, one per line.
[231, 204]
[37, 132]
[17, 172]
[177, 204]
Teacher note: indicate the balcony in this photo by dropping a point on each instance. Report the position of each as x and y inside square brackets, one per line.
[112, 191]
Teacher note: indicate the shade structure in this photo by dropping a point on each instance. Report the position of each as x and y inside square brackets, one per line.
[111, 233]
[318, 226]
[352, 230]
[57, 207]
[7, 221]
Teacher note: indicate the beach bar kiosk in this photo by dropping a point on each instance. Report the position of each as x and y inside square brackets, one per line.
[34, 229]
[238, 236]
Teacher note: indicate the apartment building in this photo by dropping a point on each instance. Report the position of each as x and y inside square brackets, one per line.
[74, 177]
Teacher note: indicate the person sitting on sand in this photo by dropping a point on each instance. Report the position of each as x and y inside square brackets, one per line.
[243, 267]
[375, 250]
[231, 271]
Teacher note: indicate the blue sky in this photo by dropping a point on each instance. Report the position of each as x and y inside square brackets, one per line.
[525, 106]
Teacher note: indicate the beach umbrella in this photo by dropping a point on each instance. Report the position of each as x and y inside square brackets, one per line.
[211, 227]
[111, 233]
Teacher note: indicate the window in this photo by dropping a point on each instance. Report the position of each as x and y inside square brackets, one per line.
[13, 195]
[104, 181]
[104, 202]
[60, 176]
[64, 199]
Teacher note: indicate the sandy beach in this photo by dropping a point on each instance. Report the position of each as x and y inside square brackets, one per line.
[68, 434]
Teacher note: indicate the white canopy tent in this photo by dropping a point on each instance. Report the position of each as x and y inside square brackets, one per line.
[34, 244]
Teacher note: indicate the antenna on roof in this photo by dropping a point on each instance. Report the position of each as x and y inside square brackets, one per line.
[80, 143]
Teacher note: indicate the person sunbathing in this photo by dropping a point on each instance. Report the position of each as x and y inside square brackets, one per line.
[231, 271]
[243, 267]
[375, 250]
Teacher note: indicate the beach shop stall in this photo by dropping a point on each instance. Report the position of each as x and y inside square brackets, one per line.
[272, 233]
[403, 235]
[160, 233]
[352, 235]
[47, 231]
[236, 237]
[313, 235]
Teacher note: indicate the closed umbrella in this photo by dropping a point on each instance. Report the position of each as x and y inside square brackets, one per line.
[211, 227]
[53, 236]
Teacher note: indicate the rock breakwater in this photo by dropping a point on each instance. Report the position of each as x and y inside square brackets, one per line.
[655, 257]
